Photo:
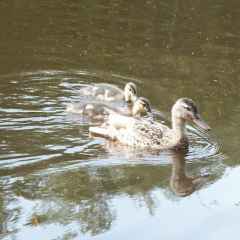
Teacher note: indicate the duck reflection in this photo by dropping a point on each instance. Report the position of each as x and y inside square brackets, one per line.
[181, 184]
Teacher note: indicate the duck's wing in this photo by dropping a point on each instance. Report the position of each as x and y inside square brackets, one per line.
[115, 123]
[119, 119]
[138, 133]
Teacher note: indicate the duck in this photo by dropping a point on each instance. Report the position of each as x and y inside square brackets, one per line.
[145, 133]
[100, 97]
[110, 93]
[99, 111]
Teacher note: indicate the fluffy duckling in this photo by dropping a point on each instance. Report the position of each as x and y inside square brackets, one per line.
[130, 93]
[110, 93]
[98, 111]
[151, 134]
[141, 107]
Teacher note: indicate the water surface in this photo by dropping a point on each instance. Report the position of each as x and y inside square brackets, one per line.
[59, 183]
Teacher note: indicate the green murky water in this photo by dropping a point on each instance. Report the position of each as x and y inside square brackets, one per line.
[57, 182]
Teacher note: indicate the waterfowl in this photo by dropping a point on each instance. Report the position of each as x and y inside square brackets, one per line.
[151, 134]
[141, 107]
[110, 93]
[130, 92]
[99, 111]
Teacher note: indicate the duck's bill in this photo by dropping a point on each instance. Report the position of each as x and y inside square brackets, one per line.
[201, 123]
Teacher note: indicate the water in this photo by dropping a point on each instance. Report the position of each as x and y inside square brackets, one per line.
[59, 183]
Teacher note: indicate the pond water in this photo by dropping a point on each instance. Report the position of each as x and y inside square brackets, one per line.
[56, 181]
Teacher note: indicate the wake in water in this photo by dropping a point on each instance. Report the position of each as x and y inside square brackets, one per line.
[38, 132]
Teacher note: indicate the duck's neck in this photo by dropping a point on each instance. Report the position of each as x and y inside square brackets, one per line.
[178, 127]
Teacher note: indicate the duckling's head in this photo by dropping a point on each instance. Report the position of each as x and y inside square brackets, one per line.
[130, 92]
[141, 107]
[186, 110]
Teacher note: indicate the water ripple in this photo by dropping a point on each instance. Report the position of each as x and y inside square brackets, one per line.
[35, 114]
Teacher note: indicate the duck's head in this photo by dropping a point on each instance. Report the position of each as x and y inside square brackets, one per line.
[130, 92]
[186, 110]
[141, 107]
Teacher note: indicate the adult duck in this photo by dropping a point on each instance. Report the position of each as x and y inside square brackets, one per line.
[145, 133]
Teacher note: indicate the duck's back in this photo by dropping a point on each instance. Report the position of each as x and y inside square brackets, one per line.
[143, 134]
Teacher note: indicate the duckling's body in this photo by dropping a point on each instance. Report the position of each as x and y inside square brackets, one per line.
[110, 93]
[102, 98]
[91, 111]
[103, 92]
[145, 133]
[99, 111]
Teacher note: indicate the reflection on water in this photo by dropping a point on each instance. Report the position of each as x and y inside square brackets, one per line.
[180, 183]
[58, 176]
[58, 183]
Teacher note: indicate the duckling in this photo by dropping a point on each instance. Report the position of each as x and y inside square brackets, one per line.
[98, 111]
[130, 93]
[151, 134]
[110, 93]
[141, 107]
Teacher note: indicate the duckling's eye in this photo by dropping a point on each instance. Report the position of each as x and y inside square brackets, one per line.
[144, 105]
[187, 108]
[133, 90]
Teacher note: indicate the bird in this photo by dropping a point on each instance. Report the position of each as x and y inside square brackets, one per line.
[147, 133]
[102, 95]
[99, 111]
[110, 93]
